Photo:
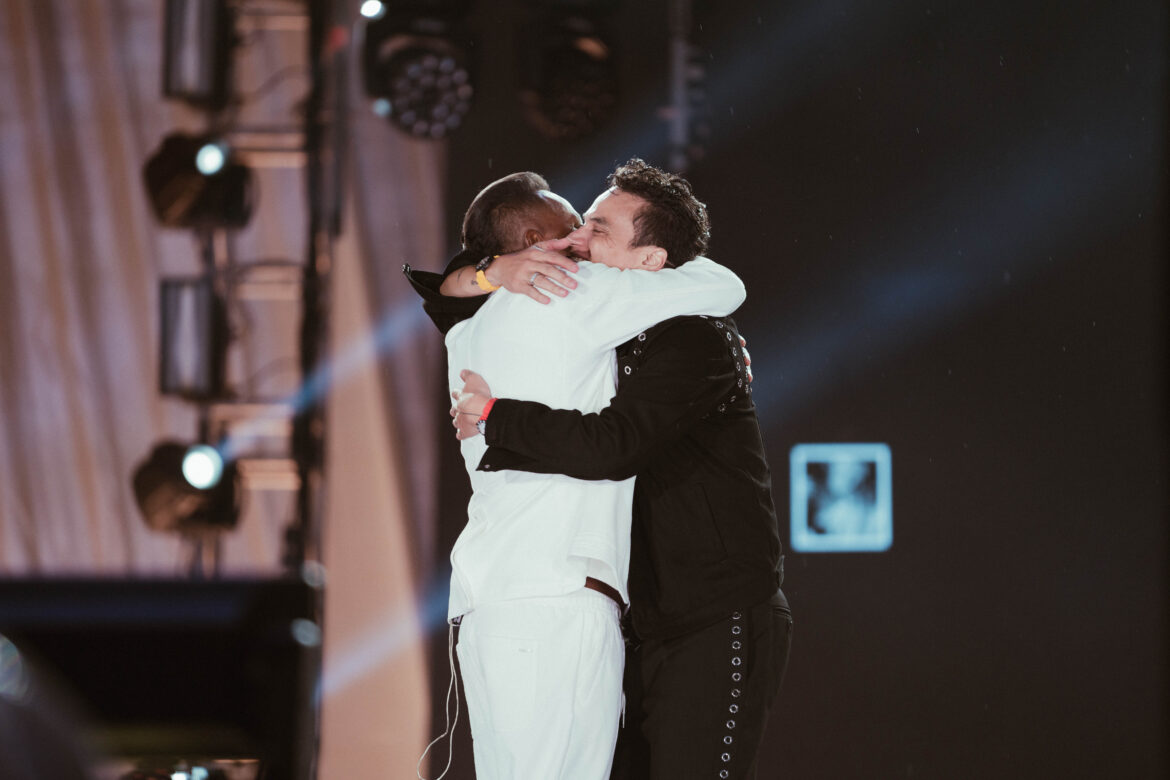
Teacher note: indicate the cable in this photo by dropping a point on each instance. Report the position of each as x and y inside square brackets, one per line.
[449, 731]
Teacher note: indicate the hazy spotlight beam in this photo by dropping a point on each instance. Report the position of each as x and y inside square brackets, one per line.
[395, 329]
[386, 637]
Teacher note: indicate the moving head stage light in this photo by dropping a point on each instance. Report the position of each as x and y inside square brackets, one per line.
[198, 182]
[417, 74]
[187, 489]
[569, 83]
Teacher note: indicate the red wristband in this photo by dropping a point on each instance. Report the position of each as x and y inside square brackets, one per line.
[487, 408]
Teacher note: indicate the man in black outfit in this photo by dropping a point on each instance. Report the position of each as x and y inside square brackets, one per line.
[710, 626]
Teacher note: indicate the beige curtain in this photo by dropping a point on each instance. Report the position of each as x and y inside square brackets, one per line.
[80, 261]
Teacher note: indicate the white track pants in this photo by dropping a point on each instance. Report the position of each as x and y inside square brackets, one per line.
[544, 686]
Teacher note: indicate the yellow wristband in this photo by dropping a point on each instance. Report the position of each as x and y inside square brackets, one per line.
[482, 280]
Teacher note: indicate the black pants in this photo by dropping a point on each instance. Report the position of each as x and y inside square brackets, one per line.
[697, 703]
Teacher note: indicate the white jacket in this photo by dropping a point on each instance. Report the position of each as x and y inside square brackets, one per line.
[533, 535]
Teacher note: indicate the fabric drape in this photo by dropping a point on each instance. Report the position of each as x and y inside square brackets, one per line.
[81, 257]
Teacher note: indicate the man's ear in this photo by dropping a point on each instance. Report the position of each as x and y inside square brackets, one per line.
[532, 236]
[654, 258]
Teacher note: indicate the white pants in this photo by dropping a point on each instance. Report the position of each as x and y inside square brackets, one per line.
[544, 686]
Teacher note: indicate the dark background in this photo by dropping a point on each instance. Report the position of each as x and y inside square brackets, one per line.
[950, 220]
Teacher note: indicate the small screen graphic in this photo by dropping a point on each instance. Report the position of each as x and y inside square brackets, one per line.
[841, 498]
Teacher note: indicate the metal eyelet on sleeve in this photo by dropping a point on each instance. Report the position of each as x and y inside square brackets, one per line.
[641, 336]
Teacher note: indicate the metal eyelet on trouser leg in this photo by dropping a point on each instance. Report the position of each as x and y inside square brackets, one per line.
[736, 677]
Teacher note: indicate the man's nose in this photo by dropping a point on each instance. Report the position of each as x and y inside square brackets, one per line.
[579, 240]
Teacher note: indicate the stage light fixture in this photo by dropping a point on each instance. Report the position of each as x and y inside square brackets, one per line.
[187, 489]
[202, 467]
[373, 9]
[211, 158]
[199, 182]
[197, 43]
[193, 339]
[418, 77]
[569, 84]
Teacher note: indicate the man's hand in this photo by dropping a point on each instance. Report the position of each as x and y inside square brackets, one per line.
[469, 403]
[540, 267]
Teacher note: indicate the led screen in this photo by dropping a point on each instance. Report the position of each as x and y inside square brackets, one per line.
[841, 498]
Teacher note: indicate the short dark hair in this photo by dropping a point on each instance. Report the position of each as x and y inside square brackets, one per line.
[497, 216]
[673, 218]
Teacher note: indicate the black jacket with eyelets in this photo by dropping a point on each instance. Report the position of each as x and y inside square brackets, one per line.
[705, 540]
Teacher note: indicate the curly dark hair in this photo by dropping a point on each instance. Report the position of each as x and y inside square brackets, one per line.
[499, 213]
[673, 218]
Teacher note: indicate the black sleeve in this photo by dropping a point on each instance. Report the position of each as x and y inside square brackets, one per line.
[445, 311]
[685, 373]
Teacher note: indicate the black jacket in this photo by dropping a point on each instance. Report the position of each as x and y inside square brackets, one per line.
[444, 311]
[705, 539]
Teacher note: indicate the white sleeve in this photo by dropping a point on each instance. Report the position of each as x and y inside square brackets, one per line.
[615, 305]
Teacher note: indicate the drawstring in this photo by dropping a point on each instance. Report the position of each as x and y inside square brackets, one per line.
[449, 731]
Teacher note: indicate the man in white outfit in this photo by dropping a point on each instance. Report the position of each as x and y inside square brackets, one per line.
[539, 572]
